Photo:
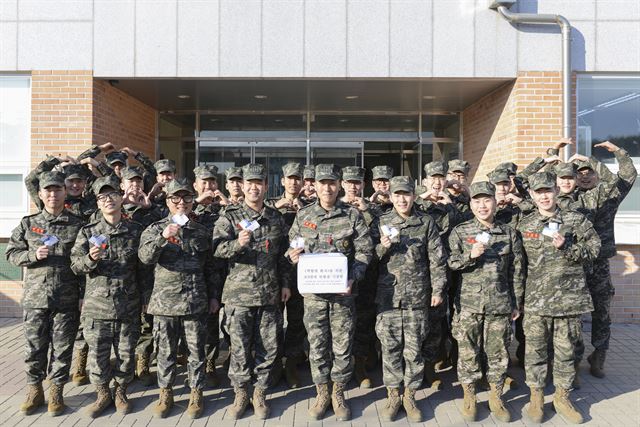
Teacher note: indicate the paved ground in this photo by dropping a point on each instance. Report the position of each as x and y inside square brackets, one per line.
[613, 401]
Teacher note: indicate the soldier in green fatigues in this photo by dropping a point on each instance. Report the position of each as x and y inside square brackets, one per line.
[42, 243]
[556, 244]
[330, 226]
[407, 241]
[489, 257]
[292, 346]
[308, 193]
[380, 178]
[234, 185]
[185, 292]
[106, 252]
[251, 237]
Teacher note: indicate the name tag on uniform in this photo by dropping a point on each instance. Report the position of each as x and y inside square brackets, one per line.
[391, 232]
[245, 224]
[551, 229]
[180, 219]
[323, 273]
[99, 241]
[483, 237]
[297, 243]
[49, 240]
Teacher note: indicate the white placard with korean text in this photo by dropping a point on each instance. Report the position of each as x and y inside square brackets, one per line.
[322, 273]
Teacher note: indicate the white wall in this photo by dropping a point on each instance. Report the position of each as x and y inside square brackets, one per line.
[310, 38]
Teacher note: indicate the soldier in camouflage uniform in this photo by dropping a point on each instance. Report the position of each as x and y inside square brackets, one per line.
[407, 241]
[557, 244]
[251, 237]
[601, 194]
[308, 193]
[295, 335]
[329, 226]
[106, 252]
[165, 173]
[365, 333]
[185, 291]
[457, 187]
[434, 200]
[489, 257]
[42, 243]
[380, 177]
[234, 185]
[117, 160]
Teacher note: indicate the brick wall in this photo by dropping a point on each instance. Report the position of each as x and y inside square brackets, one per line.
[70, 111]
[625, 274]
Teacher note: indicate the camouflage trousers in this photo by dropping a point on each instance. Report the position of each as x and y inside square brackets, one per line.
[44, 328]
[482, 338]
[145, 341]
[295, 334]
[564, 333]
[401, 333]
[365, 334]
[212, 345]
[253, 330]
[102, 336]
[602, 292]
[166, 333]
[330, 324]
[437, 332]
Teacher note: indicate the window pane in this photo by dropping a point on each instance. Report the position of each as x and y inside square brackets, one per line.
[15, 119]
[11, 188]
[609, 109]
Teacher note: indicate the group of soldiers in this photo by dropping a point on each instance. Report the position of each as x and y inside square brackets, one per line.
[127, 259]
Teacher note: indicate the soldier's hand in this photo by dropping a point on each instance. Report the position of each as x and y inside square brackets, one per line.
[477, 250]
[207, 197]
[552, 159]
[42, 252]
[95, 253]
[89, 161]
[385, 241]
[220, 197]
[436, 301]
[244, 237]
[349, 288]
[515, 314]
[294, 255]
[360, 204]
[156, 189]
[282, 203]
[611, 147]
[129, 151]
[214, 306]
[106, 147]
[443, 198]
[285, 294]
[558, 240]
[297, 204]
[579, 157]
[512, 198]
[562, 143]
[171, 231]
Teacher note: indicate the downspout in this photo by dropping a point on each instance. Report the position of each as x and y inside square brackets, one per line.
[565, 28]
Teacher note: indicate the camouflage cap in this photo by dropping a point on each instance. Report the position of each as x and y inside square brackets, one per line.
[458, 165]
[293, 169]
[542, 180]
[177, 185]
[205, 171]
[581, 164]
[116, 157]
[353, 173]
[131, 172]
[565, 169]
[328, 171]
[233, 172]
[309, 172]
[509, 166]
[401, 183]
[165, 165]
[436, 168]
[482, 188]
[498, 175]
[106, 181]
[47, 179]
[254, 171]
[382, 172]
[75, 172]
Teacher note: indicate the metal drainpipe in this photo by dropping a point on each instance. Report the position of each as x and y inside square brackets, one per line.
[565, 27]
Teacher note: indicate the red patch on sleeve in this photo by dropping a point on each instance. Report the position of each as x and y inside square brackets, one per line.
[530, 235]
[471, 240]
[37, 230]
[173, 240]
[310, 225]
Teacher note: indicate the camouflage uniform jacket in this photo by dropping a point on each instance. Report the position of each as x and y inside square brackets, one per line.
[288, 214]
[149, 178]
[490, 282]
[461, 202]
[601, 203]
[184, 277]
[342, 229]
[555, 284]
[206, 215]
[49, 283]
[445, 216]
[116, 282]
[257, 271]
[403, 280]
[144, 216]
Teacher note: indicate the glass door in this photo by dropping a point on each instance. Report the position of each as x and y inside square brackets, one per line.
[223, 154]
[274, 155]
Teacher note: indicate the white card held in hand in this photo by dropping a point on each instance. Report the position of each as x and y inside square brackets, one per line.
[249, 225]
[180, 219]
[390, 232]
[297, 243]
[98, 240]
[49, 240]
[483, 237]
